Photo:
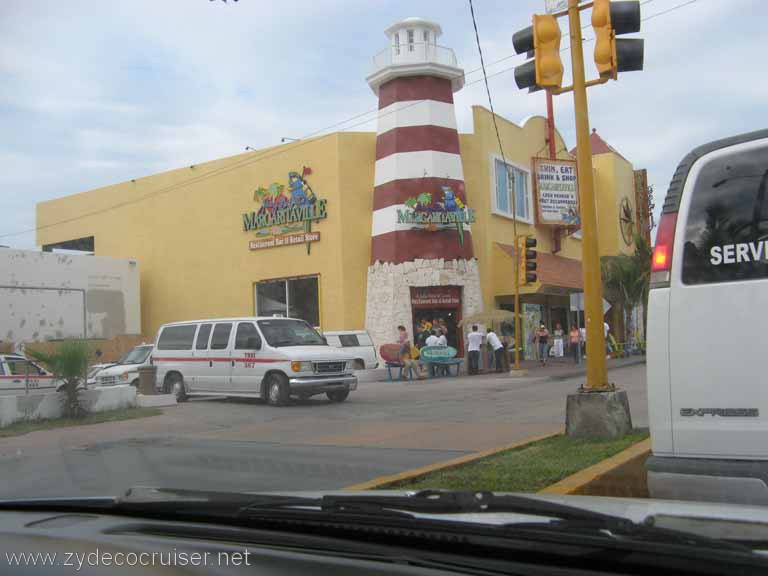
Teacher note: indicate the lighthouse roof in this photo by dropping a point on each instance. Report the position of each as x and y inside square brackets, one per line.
[413, 21]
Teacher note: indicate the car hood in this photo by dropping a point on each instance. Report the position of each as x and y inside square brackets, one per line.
[313, 353]
[117, 369]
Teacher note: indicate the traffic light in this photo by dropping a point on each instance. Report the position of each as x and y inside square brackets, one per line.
[543, 39]
[525, 246]
[611, 19]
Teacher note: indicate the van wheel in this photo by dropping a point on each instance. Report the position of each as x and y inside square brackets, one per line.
[135, 383]
[276, 389]
[174, 384]
[337, 395]
[359, 364]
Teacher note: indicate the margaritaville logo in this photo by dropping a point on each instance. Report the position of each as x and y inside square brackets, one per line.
[285, 219]
[447, 213]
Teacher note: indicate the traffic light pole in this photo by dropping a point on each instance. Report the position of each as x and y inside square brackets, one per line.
[597, 375]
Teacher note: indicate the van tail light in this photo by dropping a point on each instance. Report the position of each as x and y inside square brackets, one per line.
[661, 261]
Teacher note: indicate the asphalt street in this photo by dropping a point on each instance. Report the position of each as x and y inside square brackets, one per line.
[217, 444]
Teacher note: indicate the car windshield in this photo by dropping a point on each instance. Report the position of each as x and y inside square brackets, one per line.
[137, 355]
[336, 245]
[280, 333]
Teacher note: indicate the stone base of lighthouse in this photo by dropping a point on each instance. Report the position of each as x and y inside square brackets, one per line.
[447, 287]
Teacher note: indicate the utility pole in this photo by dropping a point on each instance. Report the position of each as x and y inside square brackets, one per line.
[597, 375]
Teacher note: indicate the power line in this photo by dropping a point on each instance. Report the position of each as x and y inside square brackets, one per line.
[303, 141]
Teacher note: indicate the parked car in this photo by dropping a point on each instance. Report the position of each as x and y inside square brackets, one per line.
[358, 343]
[257, 357]
[126, 371]
[707, 404]
[19, 375]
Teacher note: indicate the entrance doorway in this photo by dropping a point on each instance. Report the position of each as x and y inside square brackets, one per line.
[438, 304]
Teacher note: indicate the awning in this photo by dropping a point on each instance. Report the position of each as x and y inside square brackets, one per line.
[551, 269]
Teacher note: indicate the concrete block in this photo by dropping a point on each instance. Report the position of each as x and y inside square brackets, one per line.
[598, 414]
[155, 400]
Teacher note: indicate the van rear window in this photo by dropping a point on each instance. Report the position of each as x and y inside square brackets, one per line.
[177, 337]
[726, 235]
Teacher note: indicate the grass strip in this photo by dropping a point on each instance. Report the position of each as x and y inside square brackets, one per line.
[20, 428]
[526, 469]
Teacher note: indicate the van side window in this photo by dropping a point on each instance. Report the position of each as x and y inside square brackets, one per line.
[726, 235]
[177, 337]
[348, 340]
[202, 337]
[220, 338]
[364, 340]
[246, 331]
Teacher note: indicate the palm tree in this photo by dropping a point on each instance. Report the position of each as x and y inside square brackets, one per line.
[626, 280]
[68, 363]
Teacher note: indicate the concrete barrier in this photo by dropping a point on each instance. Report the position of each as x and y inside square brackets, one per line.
[49, 405]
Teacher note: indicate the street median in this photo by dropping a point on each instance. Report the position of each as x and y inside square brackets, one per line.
[552, 463]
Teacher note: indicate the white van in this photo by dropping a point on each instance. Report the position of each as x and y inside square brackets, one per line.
[358, 343]
[257, 357]
[707, 330]
[126, 371]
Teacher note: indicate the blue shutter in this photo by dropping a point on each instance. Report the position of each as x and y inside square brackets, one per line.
[502, 197]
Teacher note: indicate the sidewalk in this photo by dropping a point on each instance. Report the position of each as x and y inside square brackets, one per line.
[556, 369]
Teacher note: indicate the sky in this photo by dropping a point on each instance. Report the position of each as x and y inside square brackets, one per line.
[97, 92]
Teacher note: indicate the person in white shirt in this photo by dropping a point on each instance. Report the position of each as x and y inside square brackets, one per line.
[432, 339]
[498, 349]
[474, 342]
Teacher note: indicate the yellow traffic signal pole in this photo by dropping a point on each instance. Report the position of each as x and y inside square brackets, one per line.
[597, 375]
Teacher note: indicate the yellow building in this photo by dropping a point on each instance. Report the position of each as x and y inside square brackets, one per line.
[186, 228]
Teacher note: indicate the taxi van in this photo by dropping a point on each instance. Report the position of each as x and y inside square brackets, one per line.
[707, 338]
[272, 358]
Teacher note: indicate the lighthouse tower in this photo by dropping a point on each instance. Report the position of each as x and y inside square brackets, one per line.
[421, 241]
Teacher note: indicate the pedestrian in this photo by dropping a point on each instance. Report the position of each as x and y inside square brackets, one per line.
[474, 343]
[606, 332]
[432, 340]
[542, 337]
[442, 369]
[558, 334]
[409, 364]
[498, 349]
[583, 332]
[574, 340]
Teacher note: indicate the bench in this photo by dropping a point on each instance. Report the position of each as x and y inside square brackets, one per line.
[390, 353]
[438, 356]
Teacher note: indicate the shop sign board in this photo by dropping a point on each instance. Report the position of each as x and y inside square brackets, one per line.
[557, 192]
[429, 353]
[285, 219]
[436, 296]
[446, 213]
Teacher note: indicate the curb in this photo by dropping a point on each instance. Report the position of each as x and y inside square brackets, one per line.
[414, 473]
[580, 372]
[575, 483]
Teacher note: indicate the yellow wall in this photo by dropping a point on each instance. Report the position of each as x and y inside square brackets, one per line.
[614, 180]
[185, 226]
[478, 151]
[194, 254]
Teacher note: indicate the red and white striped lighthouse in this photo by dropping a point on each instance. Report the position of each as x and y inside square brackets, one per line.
[417, 157]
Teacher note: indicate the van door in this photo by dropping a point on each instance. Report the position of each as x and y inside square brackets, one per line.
[718, 302]
[203, 364]
[247, 369]
[219, 376]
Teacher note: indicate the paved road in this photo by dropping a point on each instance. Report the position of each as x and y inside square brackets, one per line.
[384, 428]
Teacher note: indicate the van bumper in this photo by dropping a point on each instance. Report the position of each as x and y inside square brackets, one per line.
[322, 384]
[708, 480]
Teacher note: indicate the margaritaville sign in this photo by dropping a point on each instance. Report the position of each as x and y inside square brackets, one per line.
[285, 219]
[446, 212]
